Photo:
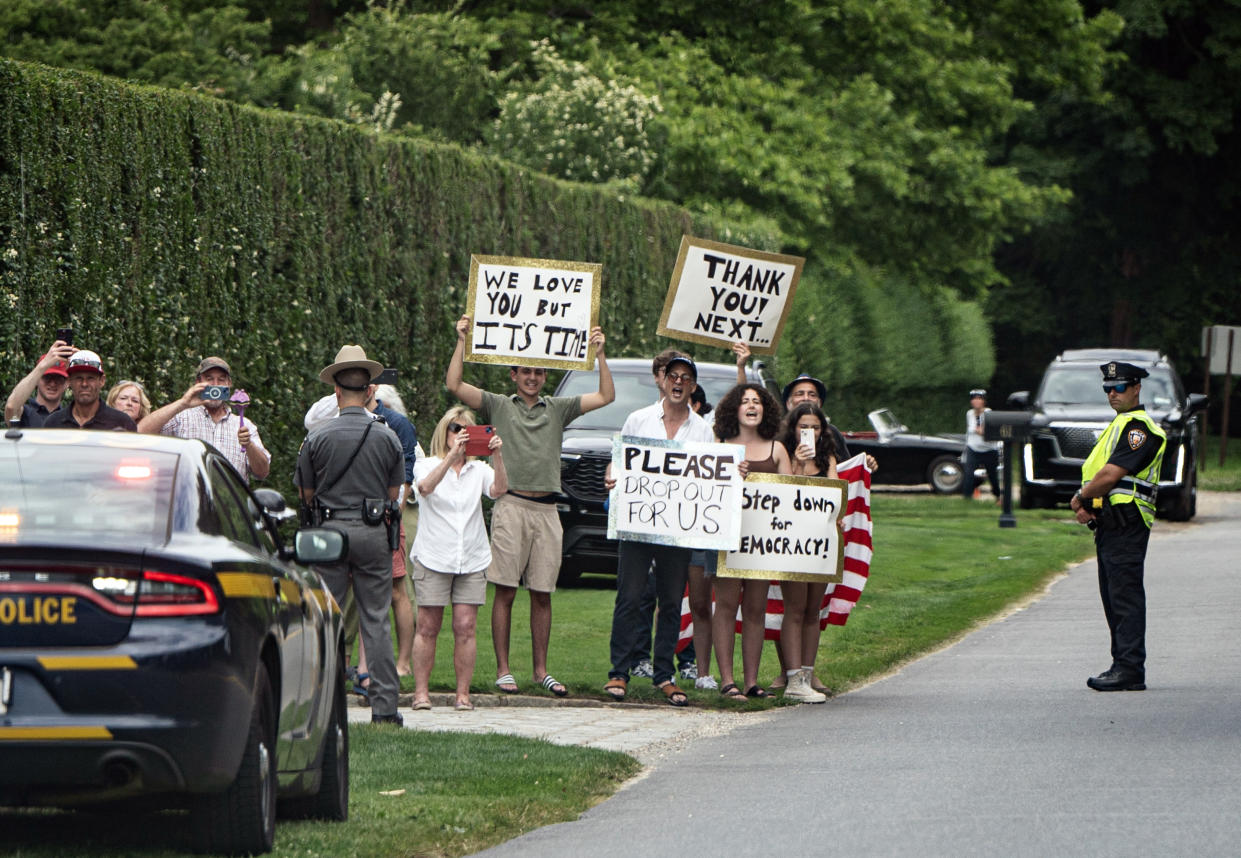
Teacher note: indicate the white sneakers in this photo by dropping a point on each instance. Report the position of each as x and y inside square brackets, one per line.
[799, 689]
[706, 682]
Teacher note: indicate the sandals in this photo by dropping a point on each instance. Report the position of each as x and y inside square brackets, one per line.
[756, 692]
[674, 695]
[554, 685]
[463, 706]
[421, 706]
[360, 689]
[616, 688]
[507, 684]
[732, 692]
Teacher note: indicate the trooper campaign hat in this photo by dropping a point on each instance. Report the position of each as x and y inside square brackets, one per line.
[1121, 371]
[350, 357]
[819, 386]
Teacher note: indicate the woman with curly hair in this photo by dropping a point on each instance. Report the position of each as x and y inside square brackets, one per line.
[750, 416]
[799, 630]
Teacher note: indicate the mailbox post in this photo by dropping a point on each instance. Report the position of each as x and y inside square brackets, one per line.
[1009, 427]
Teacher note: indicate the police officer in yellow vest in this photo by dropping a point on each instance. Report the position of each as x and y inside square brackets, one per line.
[1117, 501]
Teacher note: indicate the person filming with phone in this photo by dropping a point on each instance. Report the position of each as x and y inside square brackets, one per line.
[451, 553]
[47, 382]
[204, 412]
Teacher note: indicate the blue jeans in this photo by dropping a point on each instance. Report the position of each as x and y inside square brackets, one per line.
[632, 572]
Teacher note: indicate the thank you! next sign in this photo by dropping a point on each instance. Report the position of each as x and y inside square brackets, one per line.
[721, 294]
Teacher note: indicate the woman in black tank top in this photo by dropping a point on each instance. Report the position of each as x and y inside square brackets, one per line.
[750, 416]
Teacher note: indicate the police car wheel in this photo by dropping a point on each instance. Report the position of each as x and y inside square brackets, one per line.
[945, 474]
[332, 800]
[242, 819]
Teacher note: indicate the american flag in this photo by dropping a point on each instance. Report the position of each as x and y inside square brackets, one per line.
[840, 598]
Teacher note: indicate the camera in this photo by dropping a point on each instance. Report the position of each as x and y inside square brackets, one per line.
[215, 393]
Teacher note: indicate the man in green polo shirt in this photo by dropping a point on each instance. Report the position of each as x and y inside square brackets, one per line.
[525, 526]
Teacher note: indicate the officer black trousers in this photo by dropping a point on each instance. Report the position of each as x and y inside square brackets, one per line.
[368, 570]
[1122, 559]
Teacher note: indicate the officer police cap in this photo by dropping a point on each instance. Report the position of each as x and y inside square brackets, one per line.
[1120, 371]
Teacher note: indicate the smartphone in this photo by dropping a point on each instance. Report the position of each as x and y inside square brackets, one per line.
[477, 439]
[65, 335]
[388, 376]
[807, 437]
[215, 393]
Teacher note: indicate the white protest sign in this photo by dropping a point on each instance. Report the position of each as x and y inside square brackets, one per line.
[721, 293]
[788, 530]
[685, 493]
[532, 312]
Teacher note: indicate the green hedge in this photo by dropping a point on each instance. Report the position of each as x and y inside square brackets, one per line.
[165, 226]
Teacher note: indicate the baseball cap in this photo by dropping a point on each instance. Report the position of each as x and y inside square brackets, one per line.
[978, 391]
[84, 360]
[57, 368]
[693, 367]
[819, 386]
[212, 363]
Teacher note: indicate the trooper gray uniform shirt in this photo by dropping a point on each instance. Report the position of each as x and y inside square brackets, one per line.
[378, 466]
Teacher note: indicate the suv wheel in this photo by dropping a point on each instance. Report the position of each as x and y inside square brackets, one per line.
[1186, 504]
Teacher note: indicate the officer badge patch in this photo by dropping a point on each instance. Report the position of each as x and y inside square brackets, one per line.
[1111, 370]
[1136, 438]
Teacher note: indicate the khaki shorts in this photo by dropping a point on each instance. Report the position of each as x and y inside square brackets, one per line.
[437, 589]
[525, 544]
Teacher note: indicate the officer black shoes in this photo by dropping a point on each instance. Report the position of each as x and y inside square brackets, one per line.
[1117, 679]
[394, 718]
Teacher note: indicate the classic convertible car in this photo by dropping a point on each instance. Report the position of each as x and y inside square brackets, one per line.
[160, 641]
[909, 459]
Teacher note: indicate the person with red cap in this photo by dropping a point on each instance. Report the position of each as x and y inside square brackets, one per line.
[88, 410]
[47, 384]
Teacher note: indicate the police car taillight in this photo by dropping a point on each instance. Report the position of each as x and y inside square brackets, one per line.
[159, 594]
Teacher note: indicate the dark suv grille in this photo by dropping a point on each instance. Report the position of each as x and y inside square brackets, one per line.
[582, 479]
[1075, 442]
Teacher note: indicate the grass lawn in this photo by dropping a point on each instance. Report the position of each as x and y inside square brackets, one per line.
[941, 567]
[1214, 478]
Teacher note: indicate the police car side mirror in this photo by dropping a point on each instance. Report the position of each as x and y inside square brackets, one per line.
[1194, 403]
[319, 545]
[1019, 399]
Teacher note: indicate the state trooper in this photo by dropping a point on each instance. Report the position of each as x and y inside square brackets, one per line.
[1117, 500]
[349, 474]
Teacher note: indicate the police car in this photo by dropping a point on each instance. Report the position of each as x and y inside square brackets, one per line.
[159, 638]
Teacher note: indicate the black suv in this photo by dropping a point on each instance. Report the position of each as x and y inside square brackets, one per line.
[587, 449]
[1071, 411]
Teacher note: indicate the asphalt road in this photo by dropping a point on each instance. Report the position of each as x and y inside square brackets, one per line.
[993, 746]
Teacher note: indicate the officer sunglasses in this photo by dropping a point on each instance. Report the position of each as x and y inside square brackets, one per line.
[1118, 386]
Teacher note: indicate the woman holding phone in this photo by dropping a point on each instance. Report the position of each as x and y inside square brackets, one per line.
[812, 451]
[451, 552]
[750, 416]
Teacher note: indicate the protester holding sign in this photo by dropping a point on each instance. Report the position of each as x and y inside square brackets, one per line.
[747, 415]
[525, 527]
[799, 630]
[669, 419]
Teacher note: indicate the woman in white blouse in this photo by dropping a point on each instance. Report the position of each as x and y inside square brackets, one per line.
[451, 552]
